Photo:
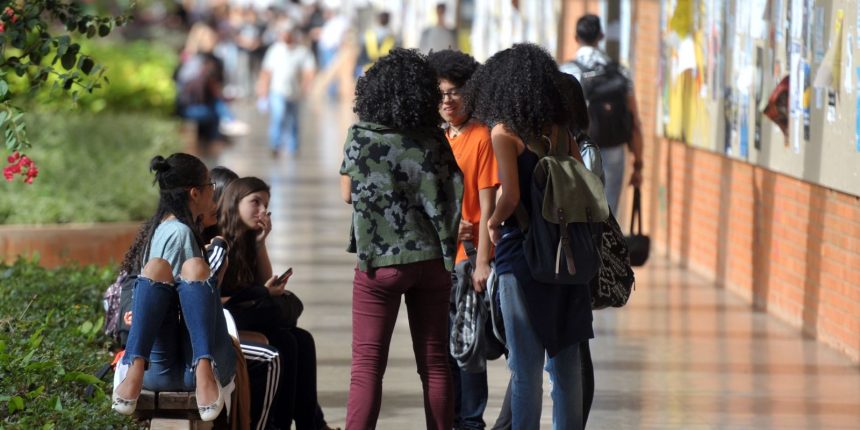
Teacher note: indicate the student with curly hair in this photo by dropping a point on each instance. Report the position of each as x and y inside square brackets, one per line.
[470, 142]
[402, 180]
[517, 92]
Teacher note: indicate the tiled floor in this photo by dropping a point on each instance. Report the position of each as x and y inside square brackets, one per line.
[682, 354]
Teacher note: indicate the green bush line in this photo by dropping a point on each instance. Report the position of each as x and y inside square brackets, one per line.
[51, 344]
[92, 168]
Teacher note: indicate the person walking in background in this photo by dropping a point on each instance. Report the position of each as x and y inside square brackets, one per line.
[470, 142]
[405, 188]
[439, 36]
[517, 92]
[612, 107]
[287, 72]
[376, 43]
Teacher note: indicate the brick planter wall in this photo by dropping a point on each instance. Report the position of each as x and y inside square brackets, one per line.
[100, 244]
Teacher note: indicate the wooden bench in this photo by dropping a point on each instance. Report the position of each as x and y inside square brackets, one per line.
[174, 411]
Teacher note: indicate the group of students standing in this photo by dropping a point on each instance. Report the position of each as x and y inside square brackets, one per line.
[419, 192]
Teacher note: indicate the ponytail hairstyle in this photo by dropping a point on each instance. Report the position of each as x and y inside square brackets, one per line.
[175, 176]
[241, 271]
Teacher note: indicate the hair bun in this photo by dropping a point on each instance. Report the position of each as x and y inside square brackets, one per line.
[158, 164]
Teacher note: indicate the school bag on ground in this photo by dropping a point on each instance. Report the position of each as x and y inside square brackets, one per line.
[568, 206]
[606, 89]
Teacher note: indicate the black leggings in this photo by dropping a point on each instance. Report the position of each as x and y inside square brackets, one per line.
[297, 391]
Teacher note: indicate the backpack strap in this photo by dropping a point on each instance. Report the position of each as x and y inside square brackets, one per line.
[554, 145]
[581, 66]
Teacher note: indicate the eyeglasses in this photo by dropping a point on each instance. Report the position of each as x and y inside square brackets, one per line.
[452, 94]
[207, 184]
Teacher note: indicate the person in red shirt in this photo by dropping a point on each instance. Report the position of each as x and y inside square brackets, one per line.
[473, 149]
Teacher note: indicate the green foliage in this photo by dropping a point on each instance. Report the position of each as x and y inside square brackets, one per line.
[95, 169]
[141, 79]
[29, 45]
[51, 345]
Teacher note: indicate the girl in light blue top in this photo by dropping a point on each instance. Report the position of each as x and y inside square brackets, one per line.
[178, 340]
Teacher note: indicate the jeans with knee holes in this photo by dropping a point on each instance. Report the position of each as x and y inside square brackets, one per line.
[174, 326]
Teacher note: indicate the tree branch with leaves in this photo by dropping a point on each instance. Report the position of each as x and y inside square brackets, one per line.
[36, 44]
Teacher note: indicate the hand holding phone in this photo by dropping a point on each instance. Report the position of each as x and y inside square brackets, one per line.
[284, 276]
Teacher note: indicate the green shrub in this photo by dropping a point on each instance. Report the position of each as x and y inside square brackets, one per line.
[51, 344]
[91, 169]
[140, 74]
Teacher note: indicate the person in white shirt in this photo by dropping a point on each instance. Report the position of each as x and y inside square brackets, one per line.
[438, 37]
[589, 58]
[287, 72]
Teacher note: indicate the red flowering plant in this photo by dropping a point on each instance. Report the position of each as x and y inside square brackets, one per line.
[31, 48]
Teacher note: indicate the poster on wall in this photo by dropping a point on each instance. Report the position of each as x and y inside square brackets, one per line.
[857, 119]
[744, 113]
[795, 96]
[818, 47]
[797, 19]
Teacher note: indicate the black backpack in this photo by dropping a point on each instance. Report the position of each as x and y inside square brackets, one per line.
[606, 89]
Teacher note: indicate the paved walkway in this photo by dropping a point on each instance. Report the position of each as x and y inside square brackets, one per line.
[681, 355]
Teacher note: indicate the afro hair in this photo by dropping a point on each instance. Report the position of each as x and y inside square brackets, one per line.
[518, 87]
[399, 91]
[454, 66]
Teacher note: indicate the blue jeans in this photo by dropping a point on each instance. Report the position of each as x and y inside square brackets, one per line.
[326, 56]
[283, 123]
[172, 346]
[526, 361]
[614, 162]
[470, 399]
[217, 111]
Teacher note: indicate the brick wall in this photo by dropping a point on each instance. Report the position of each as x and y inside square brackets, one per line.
[790, 247]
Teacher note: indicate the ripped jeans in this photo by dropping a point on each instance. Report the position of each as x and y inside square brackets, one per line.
[174, 326]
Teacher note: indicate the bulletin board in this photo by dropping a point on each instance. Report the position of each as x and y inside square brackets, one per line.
[725, 64]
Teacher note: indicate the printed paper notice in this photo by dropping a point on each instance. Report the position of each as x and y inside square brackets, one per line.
[795, 97]
[796, 14]
[857, 120]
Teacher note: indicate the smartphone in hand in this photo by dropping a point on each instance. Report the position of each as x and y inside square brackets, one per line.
[284, 276]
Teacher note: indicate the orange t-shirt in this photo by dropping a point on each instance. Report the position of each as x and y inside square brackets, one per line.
[473, 150]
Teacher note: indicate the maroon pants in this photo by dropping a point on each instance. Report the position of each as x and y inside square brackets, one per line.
[375, 304]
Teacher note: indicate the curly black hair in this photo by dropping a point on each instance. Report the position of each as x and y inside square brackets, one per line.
[400, 91]
[518, 87]
[454, 66]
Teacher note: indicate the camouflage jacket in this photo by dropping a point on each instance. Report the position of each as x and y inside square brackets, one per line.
[406, 194]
